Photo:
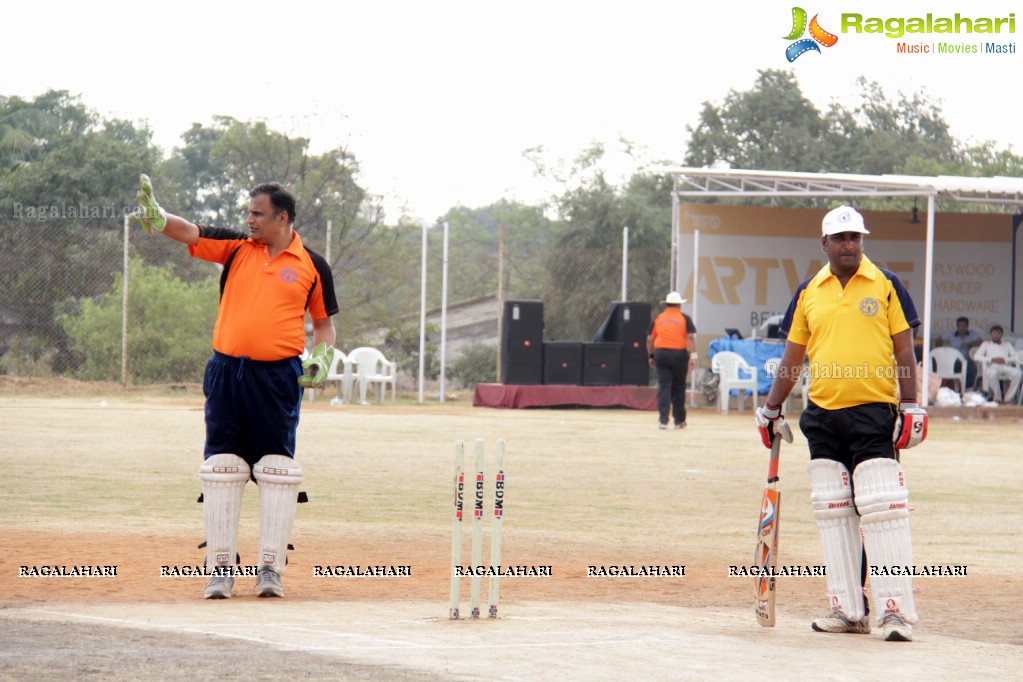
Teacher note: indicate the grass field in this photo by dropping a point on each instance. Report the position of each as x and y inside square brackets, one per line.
[97, 476]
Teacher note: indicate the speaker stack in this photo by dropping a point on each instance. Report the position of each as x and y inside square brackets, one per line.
[563, 362]
[617, 355]
[522, 342]
[602, 364]
[628, 324]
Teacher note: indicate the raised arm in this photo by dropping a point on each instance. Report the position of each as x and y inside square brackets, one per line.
[152, 216]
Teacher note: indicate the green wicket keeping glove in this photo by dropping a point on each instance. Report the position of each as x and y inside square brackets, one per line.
[149, 213]
[316, 366]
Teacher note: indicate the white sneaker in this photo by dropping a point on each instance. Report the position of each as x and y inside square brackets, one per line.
[219, 587]
[837, 622]
[896, 629]
[268, 583]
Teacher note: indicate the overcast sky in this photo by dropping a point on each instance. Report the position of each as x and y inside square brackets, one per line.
[438, 100]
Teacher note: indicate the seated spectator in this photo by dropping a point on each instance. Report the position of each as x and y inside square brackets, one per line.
[963, 339]
[1000, 362]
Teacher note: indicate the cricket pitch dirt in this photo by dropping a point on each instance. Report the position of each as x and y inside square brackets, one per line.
[109, 479]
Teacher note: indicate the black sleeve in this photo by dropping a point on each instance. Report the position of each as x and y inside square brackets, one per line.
[207, 232]
[690, 327]
[326, 278]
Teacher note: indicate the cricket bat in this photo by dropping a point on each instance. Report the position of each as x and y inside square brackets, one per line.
[766, 556]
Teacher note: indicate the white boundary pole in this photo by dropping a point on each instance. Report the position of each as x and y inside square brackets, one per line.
[928, 288]
[124, 309]
[696, 275]
[444, 313]
[625, 263]
[422, 317]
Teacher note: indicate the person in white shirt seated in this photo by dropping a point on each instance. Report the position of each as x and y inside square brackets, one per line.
[1000, 362]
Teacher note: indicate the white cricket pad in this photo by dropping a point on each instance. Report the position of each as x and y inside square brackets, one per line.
[223, 479]
[278, 477]
[831, 494]
[883, 503]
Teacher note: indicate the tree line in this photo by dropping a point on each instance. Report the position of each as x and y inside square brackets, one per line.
[67, 174]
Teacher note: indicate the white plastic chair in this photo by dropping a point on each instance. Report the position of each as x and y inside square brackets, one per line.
[943, 364]
[727, 366]
[340, 373]
[369, 366]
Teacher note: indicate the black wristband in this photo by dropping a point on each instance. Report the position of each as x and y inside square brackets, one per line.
[651, 356]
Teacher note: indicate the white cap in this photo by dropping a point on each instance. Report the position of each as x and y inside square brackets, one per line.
[843, 219]
[674, 298]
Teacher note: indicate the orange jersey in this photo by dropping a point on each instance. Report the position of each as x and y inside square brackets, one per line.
[671, 329]
[262, 301]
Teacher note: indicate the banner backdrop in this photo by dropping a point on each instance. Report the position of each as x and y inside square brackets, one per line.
[752, 259]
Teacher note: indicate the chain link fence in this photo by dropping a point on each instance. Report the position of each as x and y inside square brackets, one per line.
[64, 313]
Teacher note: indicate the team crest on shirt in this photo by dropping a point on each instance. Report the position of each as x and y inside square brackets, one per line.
[288, 275]
[869, 307]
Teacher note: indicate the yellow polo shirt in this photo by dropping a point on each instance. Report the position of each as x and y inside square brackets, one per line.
[848, 334]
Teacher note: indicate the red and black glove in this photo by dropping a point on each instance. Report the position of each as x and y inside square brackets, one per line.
[910, 425]
[766, 418]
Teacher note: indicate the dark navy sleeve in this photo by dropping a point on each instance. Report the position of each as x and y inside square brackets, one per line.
[690, 327]
[326, 278]
[786, 322]
[908, 309]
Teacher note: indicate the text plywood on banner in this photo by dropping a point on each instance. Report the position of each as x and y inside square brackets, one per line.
[752, 259]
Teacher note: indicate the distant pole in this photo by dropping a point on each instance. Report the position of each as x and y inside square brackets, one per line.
[696, 274]
[124, 310]
[500, 297]
[326, 247]
[674, 241]
[444, 311]
[422, 317]
[625, 263]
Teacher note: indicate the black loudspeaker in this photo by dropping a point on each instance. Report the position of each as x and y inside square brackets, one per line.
[522, 342]
[628, 324]
[563, 362]
[602, 364]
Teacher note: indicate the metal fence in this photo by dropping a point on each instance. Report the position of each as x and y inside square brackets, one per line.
[64, 309]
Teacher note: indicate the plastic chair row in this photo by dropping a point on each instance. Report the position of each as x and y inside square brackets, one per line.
[362, 368]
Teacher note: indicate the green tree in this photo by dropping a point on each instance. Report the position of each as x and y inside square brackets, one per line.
[169, 327]
[583, 260]
[771, 126]
[62, 202]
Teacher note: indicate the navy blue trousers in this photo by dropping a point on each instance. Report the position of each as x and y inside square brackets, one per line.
[252, 406]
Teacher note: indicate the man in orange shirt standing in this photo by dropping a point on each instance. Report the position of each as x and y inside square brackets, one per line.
[254, 380]
[671, 344]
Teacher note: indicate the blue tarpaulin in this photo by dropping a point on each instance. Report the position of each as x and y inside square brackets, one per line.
[754, 351]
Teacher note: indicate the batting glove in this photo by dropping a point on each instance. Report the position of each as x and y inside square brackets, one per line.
[910, 425]
[149, 213]
[766, 418]
[316, 366]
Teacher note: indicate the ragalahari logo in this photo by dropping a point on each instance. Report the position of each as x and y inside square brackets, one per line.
[818, 36]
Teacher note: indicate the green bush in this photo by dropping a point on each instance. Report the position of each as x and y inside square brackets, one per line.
[170, 324]
[476, 365]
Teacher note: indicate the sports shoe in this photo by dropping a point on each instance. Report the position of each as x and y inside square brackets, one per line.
[218, 587]
[268, 583]
[896, 629]
[661, 425]
[680, 425]
[837, 622]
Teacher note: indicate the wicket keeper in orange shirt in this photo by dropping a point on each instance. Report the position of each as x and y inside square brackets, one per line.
[255, 378]
[671, 347]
